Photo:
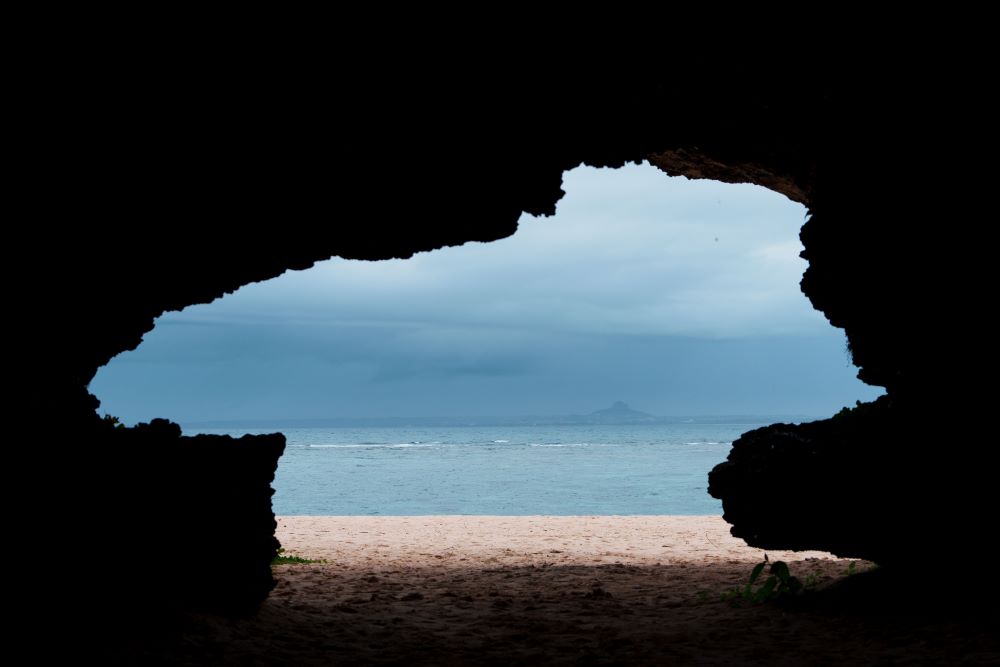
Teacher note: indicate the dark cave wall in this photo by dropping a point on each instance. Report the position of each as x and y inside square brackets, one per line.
[893, 262]
[195, 512]
[205, 186]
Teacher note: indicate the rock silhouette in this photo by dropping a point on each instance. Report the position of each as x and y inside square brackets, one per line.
[183, 185]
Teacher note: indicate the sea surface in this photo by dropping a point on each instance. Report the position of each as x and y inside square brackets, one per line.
[500, 470]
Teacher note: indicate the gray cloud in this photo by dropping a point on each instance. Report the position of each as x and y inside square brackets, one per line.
[679, 296]
[628, 251]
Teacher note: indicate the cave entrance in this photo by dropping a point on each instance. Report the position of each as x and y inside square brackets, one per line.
[599, 362]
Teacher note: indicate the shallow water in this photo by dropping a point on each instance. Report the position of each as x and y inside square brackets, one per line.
[506, 470]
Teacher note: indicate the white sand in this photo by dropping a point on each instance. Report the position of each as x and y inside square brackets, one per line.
[518, 540]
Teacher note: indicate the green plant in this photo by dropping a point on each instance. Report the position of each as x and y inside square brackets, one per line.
[852, 568]
[779, 583]
[282, 559]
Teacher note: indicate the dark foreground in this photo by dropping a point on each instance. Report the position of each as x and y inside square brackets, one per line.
[325, 614]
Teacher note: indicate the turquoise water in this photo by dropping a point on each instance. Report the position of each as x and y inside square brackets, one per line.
[506, 470]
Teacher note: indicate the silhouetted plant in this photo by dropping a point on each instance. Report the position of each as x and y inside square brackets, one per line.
[114, 421]
[778, 584]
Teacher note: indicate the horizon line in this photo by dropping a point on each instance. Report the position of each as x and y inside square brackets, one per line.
[357, 418]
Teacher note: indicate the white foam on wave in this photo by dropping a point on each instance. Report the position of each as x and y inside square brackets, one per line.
[373, 445]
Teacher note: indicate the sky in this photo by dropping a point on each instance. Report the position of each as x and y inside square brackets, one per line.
[678, 297]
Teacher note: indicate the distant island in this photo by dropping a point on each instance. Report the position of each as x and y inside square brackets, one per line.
[618, 413]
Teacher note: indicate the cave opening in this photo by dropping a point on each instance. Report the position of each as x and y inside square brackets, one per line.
[423, 467]
[189, 171]
[490, 367]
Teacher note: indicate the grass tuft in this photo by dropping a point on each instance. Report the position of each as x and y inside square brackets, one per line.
[288, 559]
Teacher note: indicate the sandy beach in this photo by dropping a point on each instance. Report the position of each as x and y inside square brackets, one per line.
[520, 541]
[475, 590]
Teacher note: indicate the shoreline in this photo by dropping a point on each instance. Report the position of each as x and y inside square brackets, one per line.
[443, 540]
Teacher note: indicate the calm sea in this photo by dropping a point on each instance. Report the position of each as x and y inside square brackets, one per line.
[506, 470]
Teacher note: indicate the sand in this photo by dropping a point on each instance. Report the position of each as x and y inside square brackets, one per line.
[512, 541]
[555, 591]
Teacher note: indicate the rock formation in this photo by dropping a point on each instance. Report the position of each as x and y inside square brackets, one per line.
[157, 184]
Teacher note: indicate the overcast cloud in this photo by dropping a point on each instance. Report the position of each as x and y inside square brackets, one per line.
[680, 297]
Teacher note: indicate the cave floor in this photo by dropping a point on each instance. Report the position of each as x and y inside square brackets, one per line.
[561, 615]
[440, 602]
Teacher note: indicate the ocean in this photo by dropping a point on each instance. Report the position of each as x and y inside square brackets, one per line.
[500, 470]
